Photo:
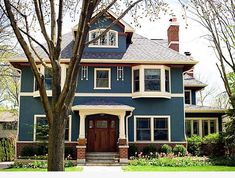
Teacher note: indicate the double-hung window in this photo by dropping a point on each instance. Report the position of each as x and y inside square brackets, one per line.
[143, 129]
[152, 80]
[41, 128]
[187, 96]
[160, 128]
[48, 78]
[136, 80]
[102, 78]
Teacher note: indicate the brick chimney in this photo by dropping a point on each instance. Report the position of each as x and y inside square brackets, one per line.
[173, 34]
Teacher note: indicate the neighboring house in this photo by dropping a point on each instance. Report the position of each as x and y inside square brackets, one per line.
[130, 91]
[8, 124]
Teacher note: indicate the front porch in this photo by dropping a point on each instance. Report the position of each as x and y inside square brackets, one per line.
[103, 128]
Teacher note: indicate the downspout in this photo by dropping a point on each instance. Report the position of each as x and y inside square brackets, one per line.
[127, 117]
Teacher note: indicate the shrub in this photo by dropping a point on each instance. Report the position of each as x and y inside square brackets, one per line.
[132, 150]
[194, 145]
[180, 150]
[28, 151]
[223, 161]
[69, 164]
[7, 149]
[170, 162]
[166, 149]
[213, 145]
[41, 150]
[147, 150]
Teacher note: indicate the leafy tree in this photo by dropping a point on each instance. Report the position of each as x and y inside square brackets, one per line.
[27, 16]
[217, 17]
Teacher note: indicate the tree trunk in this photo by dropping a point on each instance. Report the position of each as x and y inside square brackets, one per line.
[56, 142]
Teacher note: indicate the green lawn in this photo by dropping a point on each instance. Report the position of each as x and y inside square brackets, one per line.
[68, 169]
[193, 168]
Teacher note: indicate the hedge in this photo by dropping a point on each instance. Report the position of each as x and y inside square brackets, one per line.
[7, 149]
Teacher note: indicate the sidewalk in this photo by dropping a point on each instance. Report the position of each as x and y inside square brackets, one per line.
[5, 164]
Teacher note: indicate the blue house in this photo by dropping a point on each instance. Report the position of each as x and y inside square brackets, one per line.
[131, 91]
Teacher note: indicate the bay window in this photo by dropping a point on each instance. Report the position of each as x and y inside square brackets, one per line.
[151, 81]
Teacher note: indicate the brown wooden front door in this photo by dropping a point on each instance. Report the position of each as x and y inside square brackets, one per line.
[101, 135]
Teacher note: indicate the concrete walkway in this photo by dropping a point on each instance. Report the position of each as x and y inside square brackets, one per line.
[5, 164]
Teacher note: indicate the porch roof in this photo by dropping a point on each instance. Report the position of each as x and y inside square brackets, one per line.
[102, 104]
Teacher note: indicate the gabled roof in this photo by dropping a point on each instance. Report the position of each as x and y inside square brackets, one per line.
[191, 82]
[202, 109]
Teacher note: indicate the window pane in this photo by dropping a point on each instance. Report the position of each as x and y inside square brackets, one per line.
[160, 129]
[112, 124]
[188, 127]
[167, 81]
[90, 124]
[102, 124]
[204, 128]
[195, 127]
[112, 38]
[41, 129]
[160, 134]
[187, 97]
[48, 78]
[66, 137]
[136, 81]
[152, 79]
[160, 123]
[143, 129]
[212, 126]
[102, 79]
[93, 36]
[103, 40]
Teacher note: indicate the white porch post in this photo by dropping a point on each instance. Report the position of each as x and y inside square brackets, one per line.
[122, 134]
[82, 126]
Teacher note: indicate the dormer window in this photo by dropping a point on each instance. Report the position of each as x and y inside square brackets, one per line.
[110, 39]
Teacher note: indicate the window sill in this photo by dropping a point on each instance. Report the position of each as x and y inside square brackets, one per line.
[151, 95]
[37, 94]
[102, 88]
[97, 46]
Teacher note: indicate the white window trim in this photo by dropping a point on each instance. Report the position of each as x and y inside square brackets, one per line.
[155, 94]
[43, 115]
[152, 128]
[107, 34]
[200, 124]
[42, 71]
[102, 88]
[121, 69]
[190, 96]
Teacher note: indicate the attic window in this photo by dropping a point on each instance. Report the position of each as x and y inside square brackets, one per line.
[110, 39]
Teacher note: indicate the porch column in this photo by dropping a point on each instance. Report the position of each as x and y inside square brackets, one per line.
[82, 126]
[81, 148]
[122, 126]
[122, 141]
